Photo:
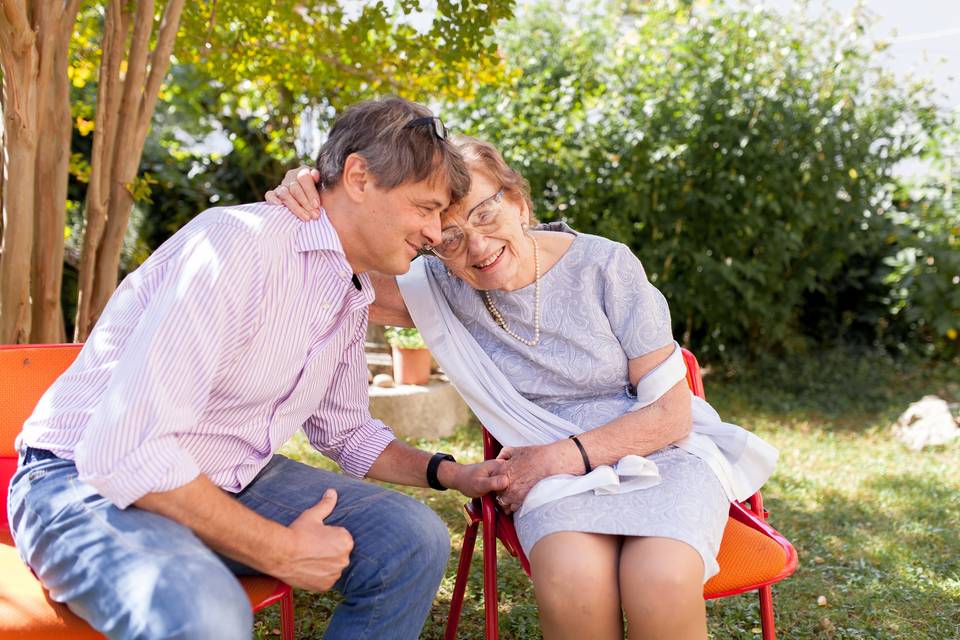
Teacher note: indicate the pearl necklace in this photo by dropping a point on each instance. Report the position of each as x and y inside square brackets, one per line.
[498, 317]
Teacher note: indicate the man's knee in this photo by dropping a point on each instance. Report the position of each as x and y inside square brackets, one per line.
[426, 535]
[410, 547]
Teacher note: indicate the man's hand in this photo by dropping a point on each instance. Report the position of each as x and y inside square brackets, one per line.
[473, 480]
[526, 466]
[318, 553]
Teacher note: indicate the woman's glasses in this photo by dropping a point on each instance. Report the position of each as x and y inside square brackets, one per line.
[483, 219]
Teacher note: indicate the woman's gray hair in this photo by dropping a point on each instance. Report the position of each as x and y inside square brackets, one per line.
[374, 129]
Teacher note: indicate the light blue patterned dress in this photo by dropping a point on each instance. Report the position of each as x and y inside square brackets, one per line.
[597, 311]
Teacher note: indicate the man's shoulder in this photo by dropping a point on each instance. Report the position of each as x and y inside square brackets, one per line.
[258, 219]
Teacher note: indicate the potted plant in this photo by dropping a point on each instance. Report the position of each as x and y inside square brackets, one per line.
[411, 358]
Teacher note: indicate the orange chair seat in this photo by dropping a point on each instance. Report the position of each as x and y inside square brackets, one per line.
[747, 557]
[28, 613]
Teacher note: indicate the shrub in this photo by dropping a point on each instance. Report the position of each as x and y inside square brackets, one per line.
[404, 338]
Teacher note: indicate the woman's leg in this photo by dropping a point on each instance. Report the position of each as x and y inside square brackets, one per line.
[661, 587]
[575, 582]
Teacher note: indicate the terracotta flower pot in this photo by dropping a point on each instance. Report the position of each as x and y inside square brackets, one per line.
[411, 366]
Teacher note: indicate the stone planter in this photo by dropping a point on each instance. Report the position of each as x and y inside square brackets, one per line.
[411, 366]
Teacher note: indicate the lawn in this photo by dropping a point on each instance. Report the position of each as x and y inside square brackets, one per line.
[876, 526]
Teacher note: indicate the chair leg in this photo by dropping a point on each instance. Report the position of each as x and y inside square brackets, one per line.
[286, 616]
[490, 569]
[767, 623]
[460, 586]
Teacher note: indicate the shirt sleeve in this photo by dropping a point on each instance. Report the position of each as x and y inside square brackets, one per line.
[342, 428]
[637, 311]
[193, 325]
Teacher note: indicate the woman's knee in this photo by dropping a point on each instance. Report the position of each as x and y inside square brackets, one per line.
[563, 563]
[661, 575]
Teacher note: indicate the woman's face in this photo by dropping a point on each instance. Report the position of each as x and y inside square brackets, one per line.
[491, 251]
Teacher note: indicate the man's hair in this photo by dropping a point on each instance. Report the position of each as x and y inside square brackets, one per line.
[374, 129]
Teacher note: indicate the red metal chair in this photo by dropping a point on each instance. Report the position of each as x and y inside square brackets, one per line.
[752, 555]
[25, 609]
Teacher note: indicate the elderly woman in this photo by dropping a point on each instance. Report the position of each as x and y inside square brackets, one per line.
[620, 479]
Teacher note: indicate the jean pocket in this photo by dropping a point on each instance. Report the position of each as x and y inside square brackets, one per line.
[43, 487]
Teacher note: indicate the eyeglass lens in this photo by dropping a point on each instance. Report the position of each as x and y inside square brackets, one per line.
[482, 219]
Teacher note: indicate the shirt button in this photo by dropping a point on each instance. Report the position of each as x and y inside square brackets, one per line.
[343, 274]
[325, 305]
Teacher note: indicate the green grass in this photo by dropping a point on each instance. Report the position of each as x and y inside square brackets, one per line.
[877, 527]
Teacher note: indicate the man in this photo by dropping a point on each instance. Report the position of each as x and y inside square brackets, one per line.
[148, 476]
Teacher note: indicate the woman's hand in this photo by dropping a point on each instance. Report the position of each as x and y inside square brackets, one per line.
[526, 466]
[298, 192]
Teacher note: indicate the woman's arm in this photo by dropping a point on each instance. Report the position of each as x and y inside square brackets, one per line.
[637, 432]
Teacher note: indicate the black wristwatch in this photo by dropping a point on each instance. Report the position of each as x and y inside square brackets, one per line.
[432, 467]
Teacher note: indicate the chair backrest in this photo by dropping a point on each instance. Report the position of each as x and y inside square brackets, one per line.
[491, 447]
[26, 371]
[694, 379]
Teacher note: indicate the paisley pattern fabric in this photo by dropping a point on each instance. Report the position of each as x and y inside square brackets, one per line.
[688, 505]
[598, 310]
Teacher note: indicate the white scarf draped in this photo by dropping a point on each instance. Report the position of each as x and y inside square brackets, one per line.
[741, 461]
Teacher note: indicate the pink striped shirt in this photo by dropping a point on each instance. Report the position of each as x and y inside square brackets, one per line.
[241, 328]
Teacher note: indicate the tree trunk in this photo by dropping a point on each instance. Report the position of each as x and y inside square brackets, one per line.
[3, 158]
[128, 105]
[52, 169]
[20, 61]
[104, 134]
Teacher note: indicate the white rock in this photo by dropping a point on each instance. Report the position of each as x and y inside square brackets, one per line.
[926, 423]
[383, 380]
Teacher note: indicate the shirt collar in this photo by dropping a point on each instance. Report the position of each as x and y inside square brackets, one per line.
[319, 235]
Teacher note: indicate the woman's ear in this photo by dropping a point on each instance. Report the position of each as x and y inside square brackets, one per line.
[524, 214]
[356, 178]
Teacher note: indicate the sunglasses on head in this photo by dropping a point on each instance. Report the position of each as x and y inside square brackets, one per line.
[436, 126]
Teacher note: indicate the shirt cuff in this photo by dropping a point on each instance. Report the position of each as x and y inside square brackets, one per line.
[364, 447]
[159, 465]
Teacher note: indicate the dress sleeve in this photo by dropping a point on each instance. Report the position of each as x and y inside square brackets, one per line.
[637, 311]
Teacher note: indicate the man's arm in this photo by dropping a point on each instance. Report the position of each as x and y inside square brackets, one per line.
[402, 464]
[308, 554]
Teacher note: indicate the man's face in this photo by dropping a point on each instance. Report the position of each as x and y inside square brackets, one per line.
[403, 220]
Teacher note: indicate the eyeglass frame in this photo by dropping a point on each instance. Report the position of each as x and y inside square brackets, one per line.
[497, 197]
[437, 128]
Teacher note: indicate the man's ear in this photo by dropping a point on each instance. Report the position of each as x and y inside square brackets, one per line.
[356, 179]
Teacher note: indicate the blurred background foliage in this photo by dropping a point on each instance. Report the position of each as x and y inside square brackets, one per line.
[748, 159]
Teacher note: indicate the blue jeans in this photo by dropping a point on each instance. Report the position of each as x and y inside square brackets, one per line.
[134, 574]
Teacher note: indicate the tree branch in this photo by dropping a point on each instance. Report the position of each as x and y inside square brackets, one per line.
[160, 61]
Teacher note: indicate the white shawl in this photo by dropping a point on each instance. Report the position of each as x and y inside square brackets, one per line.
[741, 461]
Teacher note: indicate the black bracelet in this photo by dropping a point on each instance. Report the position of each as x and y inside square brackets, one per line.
[432, 467]
[583, 454]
